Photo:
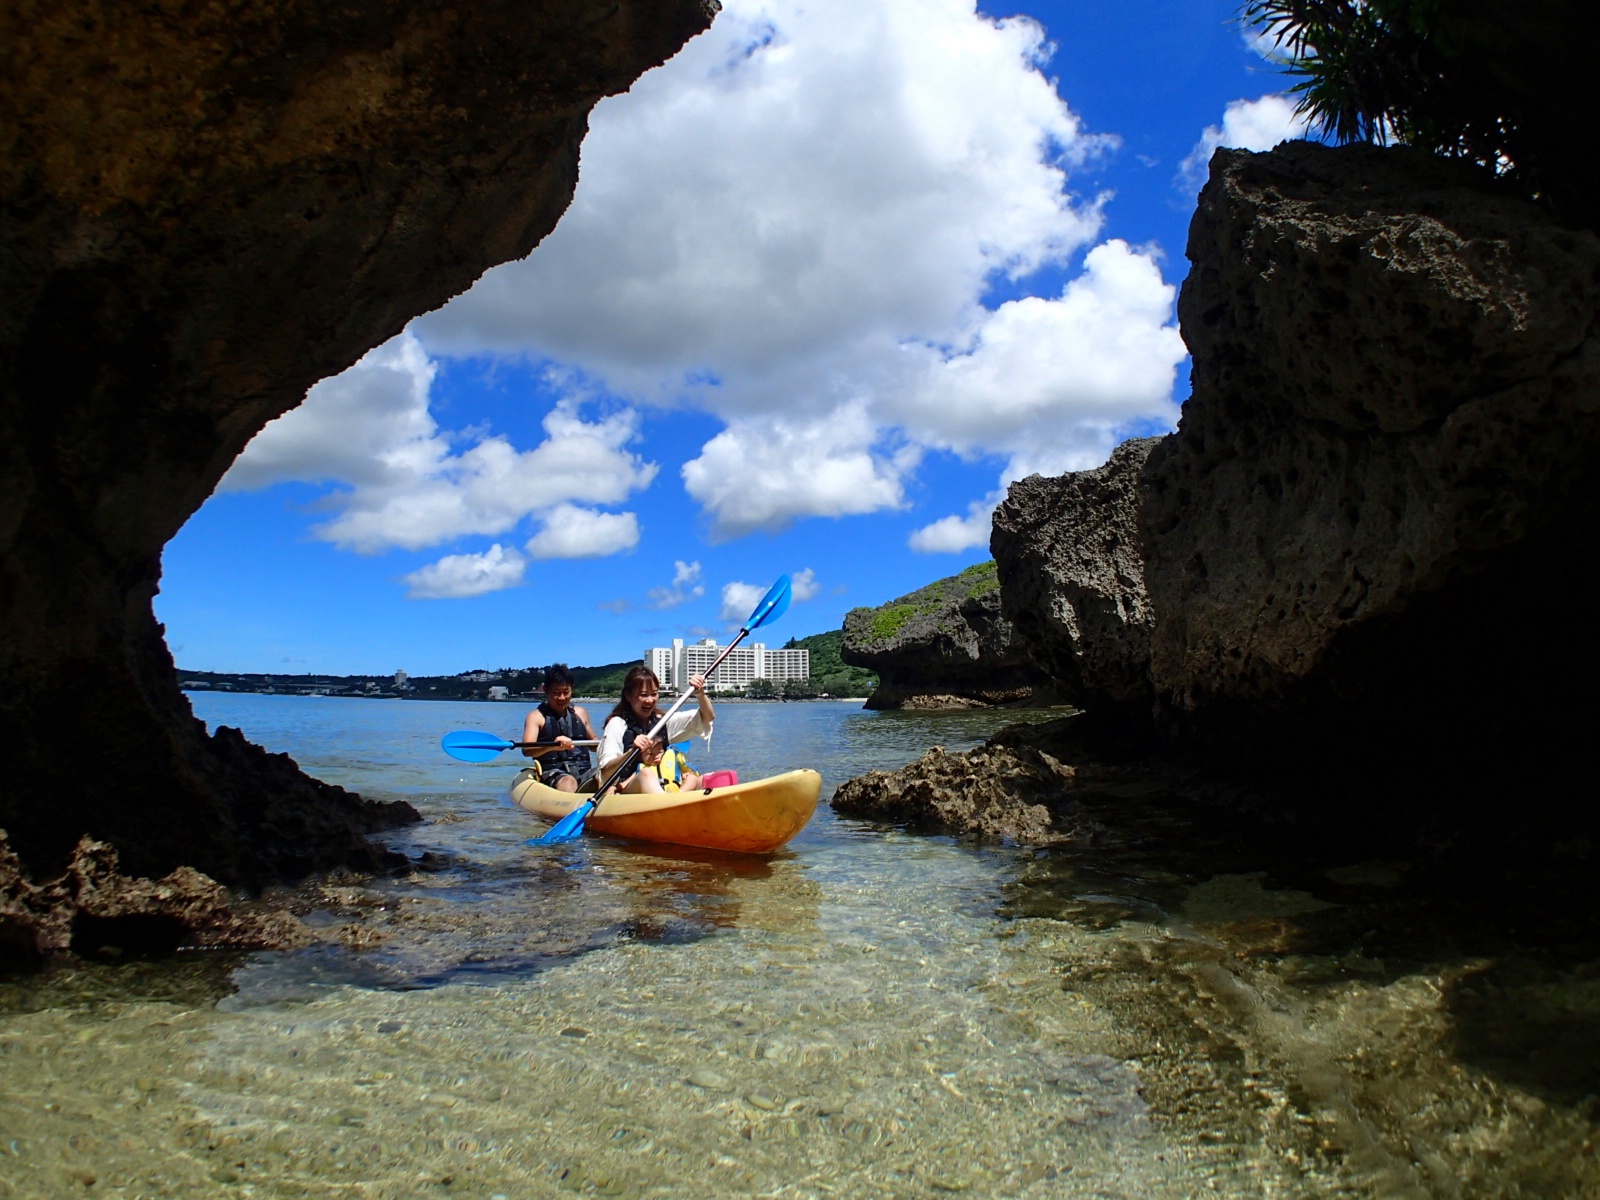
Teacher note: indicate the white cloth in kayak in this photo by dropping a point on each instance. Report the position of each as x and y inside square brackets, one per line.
[682, 724]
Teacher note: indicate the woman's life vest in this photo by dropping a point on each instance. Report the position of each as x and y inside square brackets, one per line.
[673, 763]
[574, 761]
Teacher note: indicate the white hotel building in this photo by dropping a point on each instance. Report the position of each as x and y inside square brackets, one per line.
[674, 664]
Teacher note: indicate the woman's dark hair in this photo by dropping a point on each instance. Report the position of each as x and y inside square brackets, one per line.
[557, 675]
[634, 681]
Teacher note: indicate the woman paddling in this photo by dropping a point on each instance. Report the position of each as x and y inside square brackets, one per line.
[629, 725]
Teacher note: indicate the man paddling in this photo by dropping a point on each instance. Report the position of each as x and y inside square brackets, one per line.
[554, 726]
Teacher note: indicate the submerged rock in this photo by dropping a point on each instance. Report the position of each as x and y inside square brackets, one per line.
[93, 908]
[943, 646]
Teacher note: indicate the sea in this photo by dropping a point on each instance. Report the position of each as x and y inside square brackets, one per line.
[1157, 1009]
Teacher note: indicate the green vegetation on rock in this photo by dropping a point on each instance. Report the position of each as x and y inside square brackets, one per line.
[981, 578]
[887, 622]
[884, 624]
[600, 681]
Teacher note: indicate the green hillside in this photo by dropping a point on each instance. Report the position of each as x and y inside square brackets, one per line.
[828, 673]
[600, 681]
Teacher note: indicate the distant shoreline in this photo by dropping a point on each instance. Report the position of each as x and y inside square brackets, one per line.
[729, 698]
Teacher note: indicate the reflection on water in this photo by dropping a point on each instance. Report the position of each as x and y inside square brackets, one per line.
[1167, 1010]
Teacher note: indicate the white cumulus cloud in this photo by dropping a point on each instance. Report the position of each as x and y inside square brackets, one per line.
[792, 226]
[953, 534]
[1257, 125]
[803, 584]
[573, 532]
[762, 474]
[1069, 372]
[686, 586]
[370, 429]
[803, 179]
[739, 600]
[361, 427]
[457, 576]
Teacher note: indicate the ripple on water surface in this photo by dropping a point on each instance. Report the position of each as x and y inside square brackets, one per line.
[870, 1013]
[850, 1034]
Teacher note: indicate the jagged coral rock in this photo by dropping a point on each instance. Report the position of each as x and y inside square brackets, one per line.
[93, 905]
[1365, 550]
[1017, 793]
[1071, 575]
[1379, 494]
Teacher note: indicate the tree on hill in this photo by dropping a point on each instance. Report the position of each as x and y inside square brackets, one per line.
[828, 672]
[603, 680]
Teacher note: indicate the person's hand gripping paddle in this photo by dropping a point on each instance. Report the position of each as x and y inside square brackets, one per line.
[773, 605]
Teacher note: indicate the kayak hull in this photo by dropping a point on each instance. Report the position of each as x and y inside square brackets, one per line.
[752, 818]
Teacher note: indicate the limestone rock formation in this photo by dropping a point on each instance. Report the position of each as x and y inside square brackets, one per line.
[1364, 551]
[1354, 582]
[203, 211]
[943, 646]
[1380, 501]
[1071, 573]
[1018, 794]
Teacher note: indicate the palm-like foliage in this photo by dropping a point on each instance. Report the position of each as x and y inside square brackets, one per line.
[1386, 70]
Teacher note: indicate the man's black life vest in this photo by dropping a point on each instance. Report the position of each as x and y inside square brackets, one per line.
[574, 761]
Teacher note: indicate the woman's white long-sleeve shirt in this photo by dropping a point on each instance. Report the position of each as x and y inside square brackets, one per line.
[680, 725]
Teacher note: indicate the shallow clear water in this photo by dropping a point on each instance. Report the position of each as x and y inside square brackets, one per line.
[868, 1013]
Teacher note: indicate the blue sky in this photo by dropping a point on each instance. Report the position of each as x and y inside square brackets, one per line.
[833, 277]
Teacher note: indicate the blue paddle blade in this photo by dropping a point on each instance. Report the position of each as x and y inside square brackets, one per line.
[773, 605]
[471, 746]
[569, 828]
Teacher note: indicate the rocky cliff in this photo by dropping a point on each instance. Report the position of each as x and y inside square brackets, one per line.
[1367, 540]
[1354, 581]
[203, 211]
[942, 646]
[1071, 566]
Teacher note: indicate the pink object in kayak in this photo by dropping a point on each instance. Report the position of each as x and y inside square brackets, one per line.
[716, 779]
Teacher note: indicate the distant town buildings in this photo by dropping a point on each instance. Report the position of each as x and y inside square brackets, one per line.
[675, 663]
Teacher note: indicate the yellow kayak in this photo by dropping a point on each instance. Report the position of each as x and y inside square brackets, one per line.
[755, 817]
